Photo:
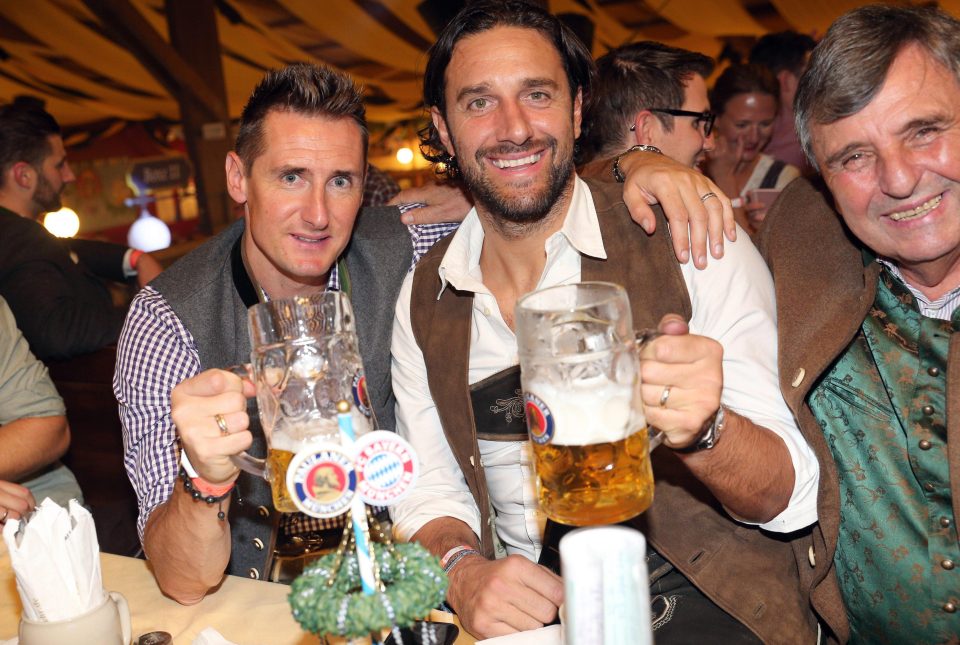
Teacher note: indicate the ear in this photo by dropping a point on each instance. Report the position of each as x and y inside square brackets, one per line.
[441, 125]
[24, 175]
[788, 83]
[577, 112]
[236, 178]
[648, 128]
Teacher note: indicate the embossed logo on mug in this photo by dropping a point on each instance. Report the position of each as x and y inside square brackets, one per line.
[539, 419]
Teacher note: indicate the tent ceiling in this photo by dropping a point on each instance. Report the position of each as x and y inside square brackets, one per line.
[58, 50]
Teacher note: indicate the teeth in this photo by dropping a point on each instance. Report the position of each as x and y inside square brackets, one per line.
[920, 210]
[306, 239]
[513, 163]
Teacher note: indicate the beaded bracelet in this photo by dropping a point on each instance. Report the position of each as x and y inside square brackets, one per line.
[456, 557]
[192, 490]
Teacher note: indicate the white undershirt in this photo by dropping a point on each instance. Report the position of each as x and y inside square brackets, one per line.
[733, 302]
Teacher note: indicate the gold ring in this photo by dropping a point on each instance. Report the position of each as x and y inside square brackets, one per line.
[222, 424]
[664, 396]
[704, 198]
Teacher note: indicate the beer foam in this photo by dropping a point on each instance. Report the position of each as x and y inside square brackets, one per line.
[293, 436]
[591, 411]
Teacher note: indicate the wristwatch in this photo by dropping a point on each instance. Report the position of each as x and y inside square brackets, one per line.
[711, 435]
[617, 173]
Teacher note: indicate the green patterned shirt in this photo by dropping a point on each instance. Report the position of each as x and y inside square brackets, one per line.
[882, 407]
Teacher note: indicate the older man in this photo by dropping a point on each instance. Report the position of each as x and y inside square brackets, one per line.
[506, 83]
[868, 311]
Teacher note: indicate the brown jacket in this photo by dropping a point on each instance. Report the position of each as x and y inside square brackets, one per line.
[824, 292]
[749, 573]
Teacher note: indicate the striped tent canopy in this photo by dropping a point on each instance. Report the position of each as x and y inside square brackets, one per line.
[59, 51]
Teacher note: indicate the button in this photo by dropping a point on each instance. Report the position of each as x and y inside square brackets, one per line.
[263, 511]
[948, 565]
[798, 377]
[949, 607]
[253, 573]
[812, 556]
[933, 371]
[927, 410]
[925, 445]
[486, 311]
[929, 487]
[258, 544]
[945, 522]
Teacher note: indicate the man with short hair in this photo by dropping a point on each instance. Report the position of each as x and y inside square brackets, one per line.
[867, 295]
[505, 83]
[55, 288]
[650, 94]
[785, 54]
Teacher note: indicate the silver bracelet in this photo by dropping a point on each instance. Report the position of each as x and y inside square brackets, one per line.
[459, 555]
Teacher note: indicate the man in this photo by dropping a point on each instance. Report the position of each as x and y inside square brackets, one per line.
[61, 303]
[868, 317]
[785, 54]
[33, 429]
[506, 83]
[650, 94]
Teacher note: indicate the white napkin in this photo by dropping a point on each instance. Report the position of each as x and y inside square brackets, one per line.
[56, 560]
[210, 636]
[549, 635]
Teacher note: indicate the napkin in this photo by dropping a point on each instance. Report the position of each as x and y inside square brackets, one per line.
[549, 635]
[210, 636]
[56, 561]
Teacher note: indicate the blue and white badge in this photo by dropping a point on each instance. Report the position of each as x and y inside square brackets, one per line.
[387, 467]
[540, 422]
[322, 480]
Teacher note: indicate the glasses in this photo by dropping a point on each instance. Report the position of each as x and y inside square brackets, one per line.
[706, 118]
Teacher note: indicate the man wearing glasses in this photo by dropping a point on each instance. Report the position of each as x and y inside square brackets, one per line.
[651, 96]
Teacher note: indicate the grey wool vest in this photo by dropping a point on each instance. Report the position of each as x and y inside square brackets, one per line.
[209, 291]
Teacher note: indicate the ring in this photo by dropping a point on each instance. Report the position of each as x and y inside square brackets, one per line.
[222, 424]
[664, 396]
[6, 512]
[704, 198]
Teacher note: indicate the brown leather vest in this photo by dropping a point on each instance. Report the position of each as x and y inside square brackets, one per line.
[745, 571]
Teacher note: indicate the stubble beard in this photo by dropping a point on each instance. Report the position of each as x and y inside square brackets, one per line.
[46, 198]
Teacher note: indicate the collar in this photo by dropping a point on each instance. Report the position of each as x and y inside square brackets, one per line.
[460, 266]
[249, 291]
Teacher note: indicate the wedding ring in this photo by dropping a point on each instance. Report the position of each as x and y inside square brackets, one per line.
[664, 396]
[6, 512]
[704, 198]
[222, 424]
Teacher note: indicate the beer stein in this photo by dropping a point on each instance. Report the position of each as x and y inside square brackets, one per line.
[580, 373]
[305, 359]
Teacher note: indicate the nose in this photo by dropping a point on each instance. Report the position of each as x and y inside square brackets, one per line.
[316, 211]
[709, 143]
[513, 125]
[898, 174]
[66, 173]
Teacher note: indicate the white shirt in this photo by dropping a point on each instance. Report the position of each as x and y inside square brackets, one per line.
[733, 302]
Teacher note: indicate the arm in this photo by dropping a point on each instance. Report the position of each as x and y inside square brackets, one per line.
[491, 597]
[186, 543]
[653, 178]
[30, 444]
[443, 201]
[147, 269]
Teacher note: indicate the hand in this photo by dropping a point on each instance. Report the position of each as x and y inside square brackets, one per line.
[194, 404]
[652, 178]
[756, 212]
[445, 202]
[497, 597]
[692, 367]
[147, 269]
[15, 501]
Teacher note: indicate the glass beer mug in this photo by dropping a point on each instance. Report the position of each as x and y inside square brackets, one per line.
[580, 372]
[305, 359]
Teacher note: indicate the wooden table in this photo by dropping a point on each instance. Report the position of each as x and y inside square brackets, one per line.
[247, 612]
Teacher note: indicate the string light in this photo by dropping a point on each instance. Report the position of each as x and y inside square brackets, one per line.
[62, 223]
[405, 155]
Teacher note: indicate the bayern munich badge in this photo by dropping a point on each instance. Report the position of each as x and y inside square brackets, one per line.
[387, 468]
[539, 419]
[322, 480]
[360, 397]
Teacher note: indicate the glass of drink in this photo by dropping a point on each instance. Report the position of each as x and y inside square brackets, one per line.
[580, 372]
[305, 359]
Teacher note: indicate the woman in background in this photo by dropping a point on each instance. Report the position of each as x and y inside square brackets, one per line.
[745, 98]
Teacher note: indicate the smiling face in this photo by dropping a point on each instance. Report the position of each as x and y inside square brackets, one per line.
[301, 199]
[747, 121]
[893, 170]
[511, 122]
[685, 142]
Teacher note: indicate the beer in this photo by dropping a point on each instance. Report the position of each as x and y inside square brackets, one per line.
[277, 463]
[600, 483]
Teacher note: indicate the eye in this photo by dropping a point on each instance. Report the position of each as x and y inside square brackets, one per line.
[289, 177]
[478, 104]
[341, 182]
[539, 95]
[855, 161]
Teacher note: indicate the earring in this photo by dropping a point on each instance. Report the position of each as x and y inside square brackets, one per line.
[633, 128]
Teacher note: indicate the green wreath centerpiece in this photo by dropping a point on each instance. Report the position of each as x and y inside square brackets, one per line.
[327, 598]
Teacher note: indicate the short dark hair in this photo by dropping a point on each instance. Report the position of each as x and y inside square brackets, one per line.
[25, 130]
[851, 63]
[632, 78]
[304, 88]
[482, 16]
[784, 50]
[743, 79]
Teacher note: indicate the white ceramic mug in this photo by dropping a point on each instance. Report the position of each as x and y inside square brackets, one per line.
[108, 624]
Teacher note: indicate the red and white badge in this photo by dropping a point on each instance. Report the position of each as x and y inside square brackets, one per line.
[540, 422]
[322, 480]
[387, 468]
